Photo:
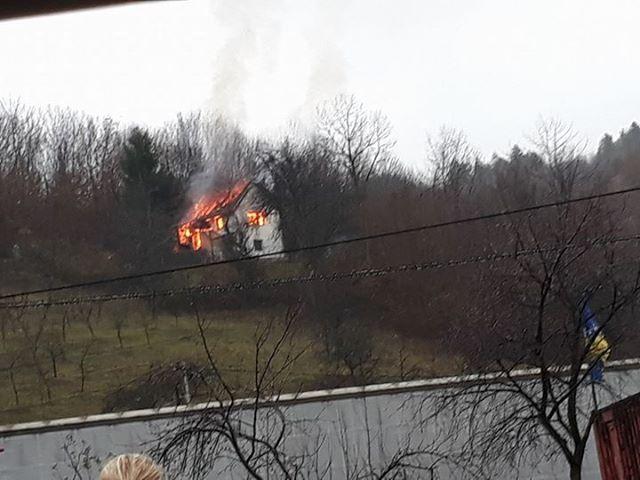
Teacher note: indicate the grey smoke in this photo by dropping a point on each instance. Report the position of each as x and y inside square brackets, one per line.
[224, 148]
[252, 33]
[253, 30]
[328, 72]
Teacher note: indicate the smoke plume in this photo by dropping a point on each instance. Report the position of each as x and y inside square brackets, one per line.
[251, 38]
[251, 33]
[328, 69]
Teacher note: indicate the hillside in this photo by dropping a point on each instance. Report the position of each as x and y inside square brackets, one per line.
[109, 366]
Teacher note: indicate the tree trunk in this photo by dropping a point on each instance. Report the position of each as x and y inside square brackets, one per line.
[83, 372]
[90, 327]
[82, 376]
[42, 375]
[187, 390]
[14, 386]
[575, 472]
[64, 328]
[44, 380]
[54, 364]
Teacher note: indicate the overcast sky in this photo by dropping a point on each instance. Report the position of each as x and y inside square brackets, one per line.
[489, 67]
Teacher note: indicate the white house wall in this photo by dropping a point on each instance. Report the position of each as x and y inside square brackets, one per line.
[269, 233]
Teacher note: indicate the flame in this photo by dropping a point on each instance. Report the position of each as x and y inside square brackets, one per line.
[256, 218]
[206, 216]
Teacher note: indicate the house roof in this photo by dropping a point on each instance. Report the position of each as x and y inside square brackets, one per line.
[223, 203]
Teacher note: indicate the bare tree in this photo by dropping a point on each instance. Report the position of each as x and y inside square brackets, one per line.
[64, 323]
[118, 316]
[33, 330]
[452, 160]
[148, 319]
[119, 322]
[164, 385]
[12, 376]
[360, 140]
[254, 437]
[374, 452]
[79, 460]
[230, 156]
[82, 363]
[11, 361]
[11, 320]
[303, 183]
[5, 317]
[560, 148]
[406, 370]
[533, 317]
[258, 438]
[183, 146]
[21, 139]
[54, 346]
[84, 313]
[348, 344]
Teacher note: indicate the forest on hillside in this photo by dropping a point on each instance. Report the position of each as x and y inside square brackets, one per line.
[113, 194]
[84, 198]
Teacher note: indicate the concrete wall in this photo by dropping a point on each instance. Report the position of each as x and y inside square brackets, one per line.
[349, 421]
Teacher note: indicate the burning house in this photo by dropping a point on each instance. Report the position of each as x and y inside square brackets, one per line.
[233, 221]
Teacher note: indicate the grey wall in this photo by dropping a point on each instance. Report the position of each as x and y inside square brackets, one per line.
[380, 418]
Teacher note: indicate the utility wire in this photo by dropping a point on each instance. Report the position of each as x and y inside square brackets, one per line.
[318, 277]
[375, 236]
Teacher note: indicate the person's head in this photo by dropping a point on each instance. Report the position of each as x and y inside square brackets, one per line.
[131, 467]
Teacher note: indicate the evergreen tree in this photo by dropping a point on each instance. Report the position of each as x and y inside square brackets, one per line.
[146, 183]
[606, 148]
[151, 198]
[630, 142]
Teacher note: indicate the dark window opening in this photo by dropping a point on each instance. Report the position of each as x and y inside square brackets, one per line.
[257, 245]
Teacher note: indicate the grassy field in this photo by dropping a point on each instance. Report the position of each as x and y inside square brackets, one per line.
[107, 365]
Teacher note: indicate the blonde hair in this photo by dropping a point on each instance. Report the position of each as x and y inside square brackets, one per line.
[131, 467]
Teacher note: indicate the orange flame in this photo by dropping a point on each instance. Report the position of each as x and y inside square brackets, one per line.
[256, 218]
[206, 216]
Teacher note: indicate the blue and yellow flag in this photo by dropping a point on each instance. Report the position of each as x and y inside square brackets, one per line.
[599, 350]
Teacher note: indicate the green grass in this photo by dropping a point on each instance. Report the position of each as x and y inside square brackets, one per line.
[231, 336]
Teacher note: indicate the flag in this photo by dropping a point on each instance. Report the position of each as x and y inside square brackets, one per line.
[599, 350]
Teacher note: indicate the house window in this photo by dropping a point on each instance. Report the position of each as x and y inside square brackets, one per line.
[256, 218]
[220, 222]
[257, 245]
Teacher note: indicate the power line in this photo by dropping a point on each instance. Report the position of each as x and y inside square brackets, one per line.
[317, 277]
[375, 236]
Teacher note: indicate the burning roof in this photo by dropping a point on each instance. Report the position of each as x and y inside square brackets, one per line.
[209, 215]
